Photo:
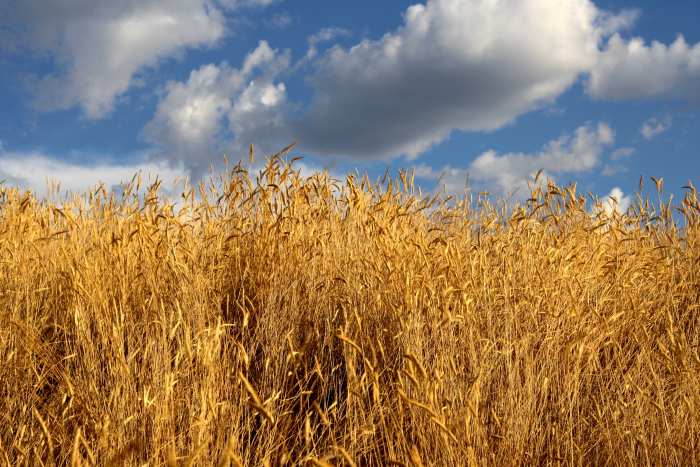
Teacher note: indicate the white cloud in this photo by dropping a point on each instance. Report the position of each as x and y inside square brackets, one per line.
[281, 20]
[633, 70]
[617, 157]
[34, 170]
[622, 153]
[610, 23]
[258, 3]
[566, 155]
[616, 202]
[221, 109]
[509, 173]
[100, 46]
[324, 35]
[258, 117]
[453, 180]
[187, 122]
[654, 127]
[453, 64]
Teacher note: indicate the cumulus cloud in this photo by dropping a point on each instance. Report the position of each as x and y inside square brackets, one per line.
[100, 46]
[616, 202]
[221, 109]
[188, 117]
[633, 70]
[452, 65]
[258, 117]
[654, 127]
[35, 171]
[510, 173]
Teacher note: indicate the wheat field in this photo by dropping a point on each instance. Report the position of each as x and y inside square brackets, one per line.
[275, 319]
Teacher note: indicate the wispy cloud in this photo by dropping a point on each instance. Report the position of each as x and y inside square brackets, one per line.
[654, 127]
[622, 153]
[324, 35]
[35, 171]
[281, 20]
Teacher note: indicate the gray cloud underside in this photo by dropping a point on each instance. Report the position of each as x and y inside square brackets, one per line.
[453, 65]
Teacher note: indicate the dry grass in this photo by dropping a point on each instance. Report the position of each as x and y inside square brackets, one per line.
[298, 321]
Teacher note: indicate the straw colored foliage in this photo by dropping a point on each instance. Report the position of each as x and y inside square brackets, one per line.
[273, 319]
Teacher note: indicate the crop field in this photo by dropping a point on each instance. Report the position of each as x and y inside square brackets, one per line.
[273, 319]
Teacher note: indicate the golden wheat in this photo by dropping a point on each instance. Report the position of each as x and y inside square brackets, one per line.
[281, 320]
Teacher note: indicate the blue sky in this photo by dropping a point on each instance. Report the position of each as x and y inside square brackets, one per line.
[485, 91]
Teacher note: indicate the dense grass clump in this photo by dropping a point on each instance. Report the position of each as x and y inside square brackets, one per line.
[277, 319]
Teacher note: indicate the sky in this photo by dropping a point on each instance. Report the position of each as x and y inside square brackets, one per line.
[469, 94]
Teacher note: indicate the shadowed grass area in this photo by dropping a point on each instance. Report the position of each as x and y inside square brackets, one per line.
[289, 320]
